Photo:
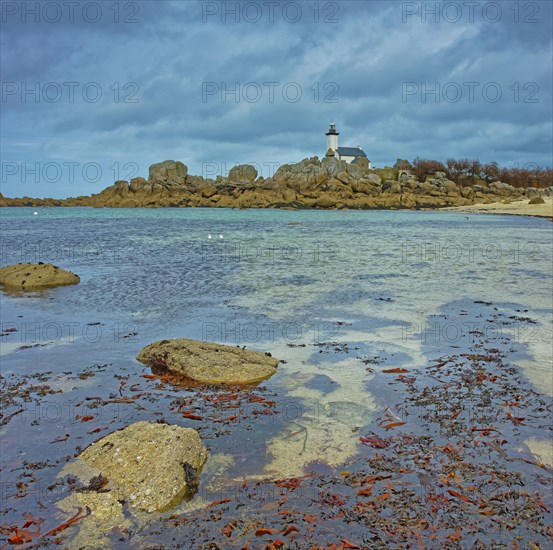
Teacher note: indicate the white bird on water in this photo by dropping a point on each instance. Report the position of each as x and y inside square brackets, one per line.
[221, 236]
[209, 236]
[35, 213]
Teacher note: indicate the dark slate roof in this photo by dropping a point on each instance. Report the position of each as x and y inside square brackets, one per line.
[350, 152]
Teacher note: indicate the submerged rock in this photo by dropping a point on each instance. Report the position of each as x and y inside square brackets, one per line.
[106, 513]
[35, 276]
[151, 467]
[208, 362]
[322, 383]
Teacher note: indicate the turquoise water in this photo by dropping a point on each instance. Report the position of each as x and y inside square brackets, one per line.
[298, 284]
[158, 270]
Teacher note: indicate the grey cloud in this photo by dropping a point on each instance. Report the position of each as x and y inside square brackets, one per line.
[370, 53]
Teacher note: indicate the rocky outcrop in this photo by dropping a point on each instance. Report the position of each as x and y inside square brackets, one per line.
[532, 192]
[151, 467]
[35, 276]
[402, 164]
[168, 173]
[242, 172]
[208, 362]
[311, 183]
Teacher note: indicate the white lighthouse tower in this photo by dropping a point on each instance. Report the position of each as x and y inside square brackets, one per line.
[352, 155]
[332, 137]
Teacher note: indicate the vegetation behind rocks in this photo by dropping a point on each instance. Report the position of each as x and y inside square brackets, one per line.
[470, 172]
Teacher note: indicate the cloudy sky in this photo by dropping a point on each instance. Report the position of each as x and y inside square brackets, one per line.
[97, 91]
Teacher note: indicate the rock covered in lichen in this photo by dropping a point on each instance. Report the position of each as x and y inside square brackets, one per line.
[149, 466]
[35, 276]
[106, 513]
[208, 362]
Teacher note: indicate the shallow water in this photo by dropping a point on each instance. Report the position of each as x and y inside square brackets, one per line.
[339, 297]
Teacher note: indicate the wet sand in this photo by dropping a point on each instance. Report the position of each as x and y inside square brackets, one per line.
[518, 208]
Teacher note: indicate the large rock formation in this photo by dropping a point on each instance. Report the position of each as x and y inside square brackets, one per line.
[168, 173]
[311, 183]
[35, 276]
[152, 467]
[242, 172]
[208, 362]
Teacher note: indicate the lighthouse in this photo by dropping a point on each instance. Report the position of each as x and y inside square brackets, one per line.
[352, 155]
[332, 137]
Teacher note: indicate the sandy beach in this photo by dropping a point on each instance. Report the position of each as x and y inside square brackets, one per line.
[517, 208]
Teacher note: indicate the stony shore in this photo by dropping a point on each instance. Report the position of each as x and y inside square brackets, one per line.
[326, 183]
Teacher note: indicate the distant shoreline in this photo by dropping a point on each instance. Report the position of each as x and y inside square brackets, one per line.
[515, 208]
[322, 184]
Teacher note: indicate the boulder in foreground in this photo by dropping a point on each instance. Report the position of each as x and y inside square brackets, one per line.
[152, 467]
[208, 362]
[35, 276]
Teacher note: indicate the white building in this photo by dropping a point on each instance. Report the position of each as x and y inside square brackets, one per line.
[352, 155]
